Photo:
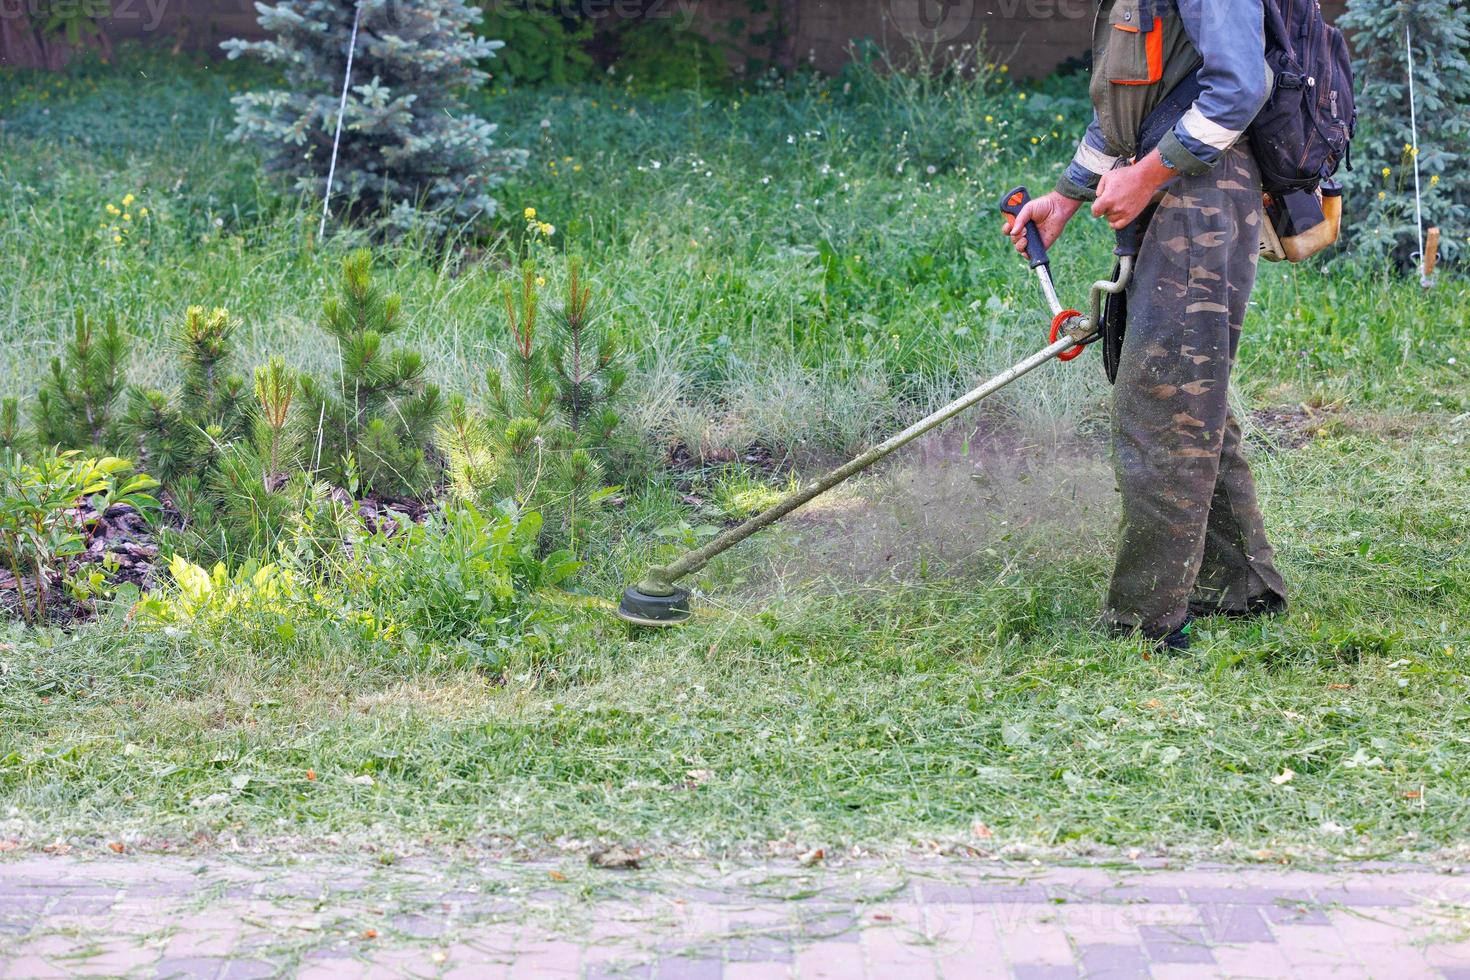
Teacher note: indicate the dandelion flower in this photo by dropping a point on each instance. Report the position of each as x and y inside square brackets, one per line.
[117, 239]
[143, 212]
[1004, 69]
[113, 210]
[530, 213]
[1022, 96]
[1035, 140]
[1387, 171]
[990, 119]
[547, 229]
[129, 199]
[1433, 180]
[540, 280]
[1381, 195]
[127, 217]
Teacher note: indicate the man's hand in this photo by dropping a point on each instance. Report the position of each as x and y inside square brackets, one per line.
[1051, 212]
[1122, 194]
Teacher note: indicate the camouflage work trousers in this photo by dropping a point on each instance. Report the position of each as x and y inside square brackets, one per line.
[1191, 525]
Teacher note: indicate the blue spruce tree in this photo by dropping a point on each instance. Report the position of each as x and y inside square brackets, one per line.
[410, 148]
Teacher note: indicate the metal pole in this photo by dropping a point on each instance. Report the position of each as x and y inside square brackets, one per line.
[659, 581]
[341, 114]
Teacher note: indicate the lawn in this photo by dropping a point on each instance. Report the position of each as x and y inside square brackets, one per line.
[797, 268]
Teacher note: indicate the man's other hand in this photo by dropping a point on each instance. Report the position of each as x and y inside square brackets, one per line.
[1051, 212]
[1122, 194]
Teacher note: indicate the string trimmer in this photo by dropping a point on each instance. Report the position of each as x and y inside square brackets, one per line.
[658, 601]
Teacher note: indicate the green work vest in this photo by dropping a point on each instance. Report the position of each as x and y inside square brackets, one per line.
[1138, 56]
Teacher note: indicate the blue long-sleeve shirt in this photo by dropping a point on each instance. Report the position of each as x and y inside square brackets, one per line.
[1226, 38]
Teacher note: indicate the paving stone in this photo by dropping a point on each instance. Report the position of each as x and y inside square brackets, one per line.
[1044, 971]
[1295, 915]
[1363, 895]
[1226, 895]
[838, 926]
[976, 924]
[33, 968]
[757, 971]
[1113, 962]
[188, 968]
[1116, 894]
[983, 894]
[620, 971]
[1176, 944]
[246, 970]
[763, 949]
[1235, 924]
[680, 968]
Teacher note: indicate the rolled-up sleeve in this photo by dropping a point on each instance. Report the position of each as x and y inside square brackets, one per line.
[1230, 36]
[1089, 163]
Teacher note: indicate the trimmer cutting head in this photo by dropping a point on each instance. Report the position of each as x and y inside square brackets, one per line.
[638, 608]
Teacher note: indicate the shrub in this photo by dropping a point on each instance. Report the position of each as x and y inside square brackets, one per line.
[377, 411]
[656, 53]
[543, 43]
[408, 141]
[40, 526]
[75, 406]
[1381, 218]
[456, 582]
[453, 587]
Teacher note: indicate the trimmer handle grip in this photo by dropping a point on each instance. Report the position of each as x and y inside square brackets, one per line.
[1129, 238]
[1014, 200]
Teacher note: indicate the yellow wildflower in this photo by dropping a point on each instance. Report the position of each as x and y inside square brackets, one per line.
[117, 239]
[142, 212]
[1004, 69]
[1434, 180]
[548, 229]
[129, 199]
[127, 217]
[113, 210]
[1381, 195]
[540, 280]
[1035, 140]
[530, 213]
[1387, 171]
[990, 119]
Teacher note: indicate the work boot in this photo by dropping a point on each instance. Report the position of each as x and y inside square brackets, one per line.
[1266, 604]
[1175, 642]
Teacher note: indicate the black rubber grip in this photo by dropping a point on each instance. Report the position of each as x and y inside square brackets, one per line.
[1130, 237]
[1014, 200]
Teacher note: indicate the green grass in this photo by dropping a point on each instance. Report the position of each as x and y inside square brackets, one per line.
[820, 695]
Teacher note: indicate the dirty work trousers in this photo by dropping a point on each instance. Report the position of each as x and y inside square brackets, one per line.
[1191, 526]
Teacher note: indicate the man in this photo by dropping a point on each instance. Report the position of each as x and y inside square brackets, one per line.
[1192, 540]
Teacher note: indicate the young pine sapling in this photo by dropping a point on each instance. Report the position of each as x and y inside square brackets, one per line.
[75, 405]
[378, 409]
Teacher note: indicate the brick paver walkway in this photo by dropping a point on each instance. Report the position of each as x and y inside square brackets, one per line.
[223, 918]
